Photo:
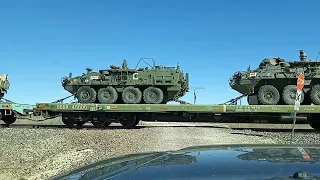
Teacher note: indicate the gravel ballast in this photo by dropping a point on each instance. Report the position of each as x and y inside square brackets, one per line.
[42, 153]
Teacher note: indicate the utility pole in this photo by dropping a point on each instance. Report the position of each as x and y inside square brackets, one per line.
[194, 93]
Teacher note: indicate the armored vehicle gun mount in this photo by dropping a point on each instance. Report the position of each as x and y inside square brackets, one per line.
[274, 81]
[4, 85]
[122, 85]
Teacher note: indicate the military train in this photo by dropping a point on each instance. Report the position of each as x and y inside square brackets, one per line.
[274, 82]
[116, 85]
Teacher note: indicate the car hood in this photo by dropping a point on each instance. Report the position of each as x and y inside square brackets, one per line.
[210, 162]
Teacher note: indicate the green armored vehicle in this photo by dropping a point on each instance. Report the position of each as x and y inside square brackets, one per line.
[4, 85]
[157, 85]
[274, 82]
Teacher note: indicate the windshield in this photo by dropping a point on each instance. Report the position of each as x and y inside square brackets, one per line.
[77, 99]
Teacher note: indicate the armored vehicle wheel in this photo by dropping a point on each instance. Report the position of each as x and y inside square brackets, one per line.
[131, 95]
[253, 99]
[9, 119]
[289, 95]
[86, 94]
[307, 100]
[153, 95]
[268, 95]
[315, 94]
[107, 95]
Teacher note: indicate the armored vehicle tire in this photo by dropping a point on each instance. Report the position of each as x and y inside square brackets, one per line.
[289, 95]
[253, 99]
[268, 95]
[86, 94]
[107, 95]
[315, 94]
[131, 95]
[9, 119]
[153, 95]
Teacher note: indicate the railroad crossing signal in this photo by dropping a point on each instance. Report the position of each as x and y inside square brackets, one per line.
[300, 85]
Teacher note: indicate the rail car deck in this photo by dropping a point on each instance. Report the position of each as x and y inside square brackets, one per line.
[76, 107]
[131, 114]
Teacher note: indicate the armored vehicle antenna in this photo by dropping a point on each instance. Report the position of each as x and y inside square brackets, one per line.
[317, 56]
[142, 59]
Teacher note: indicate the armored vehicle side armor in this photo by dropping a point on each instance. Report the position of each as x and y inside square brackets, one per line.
[157, 85]
[274, 82]
[4, 85]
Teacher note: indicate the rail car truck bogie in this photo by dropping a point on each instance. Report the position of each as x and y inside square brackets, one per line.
[274, 82]
[7, 116]
[157, 85]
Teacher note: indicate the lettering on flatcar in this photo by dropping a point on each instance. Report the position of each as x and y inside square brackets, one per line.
[62, 106]
[79, 107]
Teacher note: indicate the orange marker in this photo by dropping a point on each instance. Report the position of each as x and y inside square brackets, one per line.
[300, 82]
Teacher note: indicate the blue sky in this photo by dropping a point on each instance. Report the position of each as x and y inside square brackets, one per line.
[42, 41]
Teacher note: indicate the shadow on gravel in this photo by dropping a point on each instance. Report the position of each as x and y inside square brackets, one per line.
[142, 126]
[64, 127]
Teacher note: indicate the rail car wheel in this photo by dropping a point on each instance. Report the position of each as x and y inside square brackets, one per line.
[128, 120]
[9, 119]
[86, 94]
[289, 95]
[98, 121]
[137, 122]
[315, 125]
[131, 95]
[315, 94]
[253, 99]
[68, 119]
[107, 124]
[268, 95]
[107, 95]
[153, 95]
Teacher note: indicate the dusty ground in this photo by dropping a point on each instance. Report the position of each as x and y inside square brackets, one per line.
[41, 153]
